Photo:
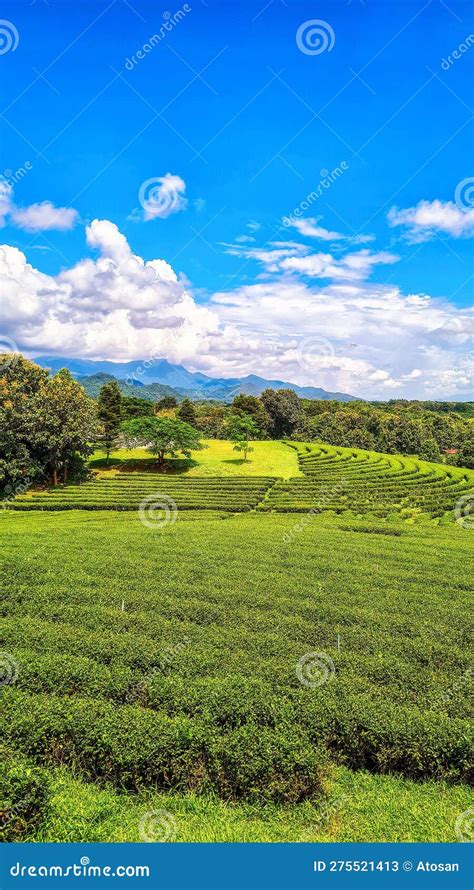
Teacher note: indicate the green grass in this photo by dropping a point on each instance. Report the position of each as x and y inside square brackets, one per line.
[218, 459]
[142, 651]
[360, 807]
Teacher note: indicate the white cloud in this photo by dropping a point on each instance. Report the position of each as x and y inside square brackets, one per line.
[384, 343]
[44, 217]
[244, 239]
[39, 217]
[6, 193]
[293, 257]
[309, 227]
[428, 217]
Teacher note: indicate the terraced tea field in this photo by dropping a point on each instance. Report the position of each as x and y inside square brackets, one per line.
[254, 676]
[338, 479]
[367, 482]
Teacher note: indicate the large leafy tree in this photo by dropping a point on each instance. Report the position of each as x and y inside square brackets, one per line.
[465, 458]
[67, 423]
[162, 436]
[109, 406]
[45, 422]
[240, 429]
[284, 408]
[132, 406]
[20, 384]
[251, 405]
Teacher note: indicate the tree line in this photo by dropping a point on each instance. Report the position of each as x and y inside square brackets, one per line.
[49, 426]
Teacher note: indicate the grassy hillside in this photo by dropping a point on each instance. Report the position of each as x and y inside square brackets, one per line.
[255, 658]
[218, 459]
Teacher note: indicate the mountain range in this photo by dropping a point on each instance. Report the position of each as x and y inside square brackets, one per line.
[141, 377]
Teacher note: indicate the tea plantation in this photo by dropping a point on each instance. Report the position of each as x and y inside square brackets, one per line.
[255, 674]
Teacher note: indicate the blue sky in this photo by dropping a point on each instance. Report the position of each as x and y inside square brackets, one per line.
[232, 115]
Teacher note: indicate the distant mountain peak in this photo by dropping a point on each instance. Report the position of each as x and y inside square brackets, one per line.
[193, 384]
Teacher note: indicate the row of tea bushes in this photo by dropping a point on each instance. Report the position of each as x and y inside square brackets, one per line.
[137, 748]
[127, 490]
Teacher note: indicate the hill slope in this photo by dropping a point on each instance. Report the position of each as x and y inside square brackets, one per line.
[152, 392]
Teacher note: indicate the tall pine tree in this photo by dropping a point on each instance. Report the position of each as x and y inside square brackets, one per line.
[109, 413]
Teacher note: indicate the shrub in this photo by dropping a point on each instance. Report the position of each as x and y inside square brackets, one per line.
[24, 794]
[135, 748]
[263, 764]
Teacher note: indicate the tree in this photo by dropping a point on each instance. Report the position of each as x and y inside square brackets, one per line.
[465, 458]
[165, 403]
[284, 409]
[132, 406]
[162, 436]
[430, 450]
[109, 406]
[45, 422]
[250, 405]
[187, 412]
[240, 428]
[20, 383]
[211, 421]
[67, 423]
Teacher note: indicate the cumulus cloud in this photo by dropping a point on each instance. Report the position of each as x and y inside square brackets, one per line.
[114, 304]
[39, 217]
[383, 343]
[429, 217]
[117, 304]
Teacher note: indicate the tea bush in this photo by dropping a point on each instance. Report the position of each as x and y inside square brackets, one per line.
[24, 795]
